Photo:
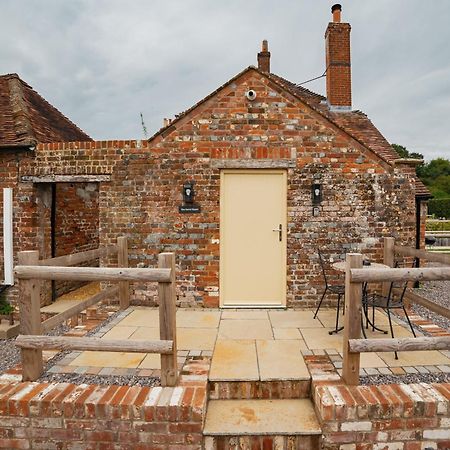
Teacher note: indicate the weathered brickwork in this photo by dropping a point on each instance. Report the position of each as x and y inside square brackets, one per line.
[67, 416]
[76, 215]
[76, 224]
[403, 417]
[364, 197]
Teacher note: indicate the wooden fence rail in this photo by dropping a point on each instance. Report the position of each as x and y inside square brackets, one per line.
[93, 344]
[355, 276]
[399, 344]
[80, 257]
[36, 272]
[57, 319]
[31, 342]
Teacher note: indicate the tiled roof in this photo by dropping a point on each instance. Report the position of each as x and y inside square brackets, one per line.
[26, 118]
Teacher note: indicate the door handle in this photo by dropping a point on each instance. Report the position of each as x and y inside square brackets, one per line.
[280, 232]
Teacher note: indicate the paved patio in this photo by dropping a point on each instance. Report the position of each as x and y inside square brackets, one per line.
[246, 345]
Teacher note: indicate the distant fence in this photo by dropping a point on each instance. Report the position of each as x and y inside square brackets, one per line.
[31, 341]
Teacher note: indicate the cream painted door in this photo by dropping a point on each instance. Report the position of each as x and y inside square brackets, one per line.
[252, 250]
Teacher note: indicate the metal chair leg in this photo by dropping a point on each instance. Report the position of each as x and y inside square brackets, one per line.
[409, 322]
[320, 303]
[392, 329]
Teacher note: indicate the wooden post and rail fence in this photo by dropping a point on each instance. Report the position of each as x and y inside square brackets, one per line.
[31, 341]
[356, 275]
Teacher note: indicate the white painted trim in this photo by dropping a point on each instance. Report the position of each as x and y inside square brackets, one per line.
[8, 255]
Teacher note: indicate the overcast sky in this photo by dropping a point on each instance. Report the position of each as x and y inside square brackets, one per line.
[103, 62]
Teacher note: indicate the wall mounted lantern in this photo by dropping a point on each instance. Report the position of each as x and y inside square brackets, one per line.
[316, 193]
[188, 205]
[188, 192]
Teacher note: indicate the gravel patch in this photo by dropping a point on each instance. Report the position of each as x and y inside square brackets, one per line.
[10, 357]
[439, 293]
[104, 380]
[10, 354]
[409, 378]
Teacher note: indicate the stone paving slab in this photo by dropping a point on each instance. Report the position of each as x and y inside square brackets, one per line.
[281, 360]
[234, 361]
[245, 329]
[196, 338]
[142, 318]
[108, 359]
[261, 417]
[245, 314]
[198, 319]
[288, 333]
[294, 319]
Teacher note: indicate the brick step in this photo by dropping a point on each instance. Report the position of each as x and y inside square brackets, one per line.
[257, 389]
[261, 424]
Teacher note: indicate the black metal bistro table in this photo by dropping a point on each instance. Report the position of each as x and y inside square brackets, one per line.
[340, 267]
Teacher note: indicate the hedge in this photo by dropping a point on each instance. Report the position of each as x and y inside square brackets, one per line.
[440, 207]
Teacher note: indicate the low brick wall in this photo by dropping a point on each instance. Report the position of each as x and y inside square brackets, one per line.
[385, 417]
[68, 416]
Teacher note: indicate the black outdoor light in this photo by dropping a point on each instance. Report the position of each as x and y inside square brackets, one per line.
[188, 205]
[316, 193]
[188, 192]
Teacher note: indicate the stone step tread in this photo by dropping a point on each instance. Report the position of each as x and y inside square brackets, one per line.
[261, 417]
[254, 360]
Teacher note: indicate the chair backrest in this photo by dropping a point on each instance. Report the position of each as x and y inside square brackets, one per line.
[322, 265]
[403, 286]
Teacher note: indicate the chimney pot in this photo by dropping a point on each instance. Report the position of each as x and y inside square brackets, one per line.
[336, 11]
[338, 63]
[264, 57]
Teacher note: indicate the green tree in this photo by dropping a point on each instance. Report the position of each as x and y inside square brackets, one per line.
[404, 153]
[435, 174]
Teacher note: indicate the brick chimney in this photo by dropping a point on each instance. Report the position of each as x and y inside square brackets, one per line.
[264, 58]
[337, 41]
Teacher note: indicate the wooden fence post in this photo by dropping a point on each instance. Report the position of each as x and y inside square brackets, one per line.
[352, 320]
[167, 320]
[30, 317]
[388, 259]
[122, 261]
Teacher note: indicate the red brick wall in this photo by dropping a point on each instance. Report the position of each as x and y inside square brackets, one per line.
[77, 223]
[400, 417]
[364, 198]
[63, 415]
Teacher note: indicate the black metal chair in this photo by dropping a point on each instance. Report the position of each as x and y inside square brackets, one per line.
[387, 303]
[339, 290]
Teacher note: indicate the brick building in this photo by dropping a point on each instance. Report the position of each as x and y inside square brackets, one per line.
[245, 186]
[55, 218]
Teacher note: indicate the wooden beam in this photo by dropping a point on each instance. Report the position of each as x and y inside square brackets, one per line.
[30, 318]
[167, 319]
[400, 344]
[422, 254]
[66, 178]
[122, 261]
[388, 259]
[78, 258]
[93, 344]
[252, 163]
[92, 273]
[352, 321]
[55, 320]
[420, 274]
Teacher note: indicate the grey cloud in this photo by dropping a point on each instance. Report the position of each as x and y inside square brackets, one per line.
[103, 62]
